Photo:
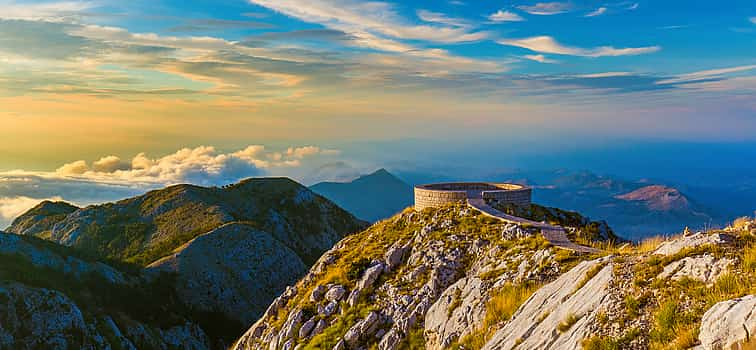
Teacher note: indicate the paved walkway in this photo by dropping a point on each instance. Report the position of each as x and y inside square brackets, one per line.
[553, 234]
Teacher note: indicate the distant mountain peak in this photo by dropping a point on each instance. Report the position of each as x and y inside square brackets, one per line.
[658, 197]
[375, 196]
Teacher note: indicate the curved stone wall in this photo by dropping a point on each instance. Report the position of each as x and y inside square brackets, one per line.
[436, 195]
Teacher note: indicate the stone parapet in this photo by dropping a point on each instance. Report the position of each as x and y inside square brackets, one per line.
[436, 195]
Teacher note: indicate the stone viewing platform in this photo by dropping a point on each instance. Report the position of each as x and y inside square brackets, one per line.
[478, 194]
[440, 194]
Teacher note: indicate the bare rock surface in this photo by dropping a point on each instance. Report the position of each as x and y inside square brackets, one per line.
[690, 241]
[40, 256]
[231, 269]
[728, 323]
[705, 268]
[535, 324]
[38, 318]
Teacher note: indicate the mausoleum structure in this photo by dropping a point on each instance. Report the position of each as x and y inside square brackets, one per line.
[436, 195]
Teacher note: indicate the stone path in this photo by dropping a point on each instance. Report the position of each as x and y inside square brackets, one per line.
[553, 234]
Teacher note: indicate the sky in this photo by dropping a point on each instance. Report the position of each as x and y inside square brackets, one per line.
[101, 99]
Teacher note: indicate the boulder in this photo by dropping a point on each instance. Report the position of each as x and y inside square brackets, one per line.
[335, 293]
[728, 323]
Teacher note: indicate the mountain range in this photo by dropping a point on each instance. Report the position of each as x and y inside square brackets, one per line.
[191, 267]
[228, 250]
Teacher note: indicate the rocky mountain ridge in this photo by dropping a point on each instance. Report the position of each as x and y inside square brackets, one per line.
[453, 279]
[229, 251]
[52, 299]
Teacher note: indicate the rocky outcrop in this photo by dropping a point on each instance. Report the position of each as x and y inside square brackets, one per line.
[571, 302]
[676, 245]
[705, 268]
[232, 268]
[728, 324]
[38, 254]
[38, 318]
[457, 313]
[41, 219]
[426, 277]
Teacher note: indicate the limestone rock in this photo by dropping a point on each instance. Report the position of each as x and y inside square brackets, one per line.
[317, 294]
[728, 323]
[319, 328]
[534, 325]
[306, 328]
[443, 324]
[698, 239]
[224, 270]
[704, 268]
[335, 293]
[362, 329]
[394, 256]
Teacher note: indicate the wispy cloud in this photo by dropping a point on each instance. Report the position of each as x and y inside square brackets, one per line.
[505, 16]
[440, 18]
[368, 20]
[539, 58]
[547, 8]
[706, 75]
[50, 11]
[753, 20]
[598, 12]
[546, 44]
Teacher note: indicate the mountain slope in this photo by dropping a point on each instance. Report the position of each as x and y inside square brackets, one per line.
[231, 269]
[39, 221]
[50, 298]
[371, 197]
[231, 249]
[453, 279]
[145, 228]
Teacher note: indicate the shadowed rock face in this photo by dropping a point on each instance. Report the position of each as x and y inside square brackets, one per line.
[232, 269]
[52, 299]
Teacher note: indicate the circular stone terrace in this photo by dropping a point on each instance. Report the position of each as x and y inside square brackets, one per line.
[440, 194]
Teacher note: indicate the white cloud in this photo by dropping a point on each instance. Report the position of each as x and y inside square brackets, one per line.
[437, 17]
[547, 8]
[706, 74]
[109, 164]
[547, 44]
[75, 168]
[598, 12]
[633, 6]
[604, 75]
[505, 16]
[12, 207]
[202, 165]
[371, 18]
[539, 58]
[753, 20]
[43, 11]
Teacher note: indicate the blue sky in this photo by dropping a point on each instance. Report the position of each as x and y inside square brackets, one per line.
[138, 94]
